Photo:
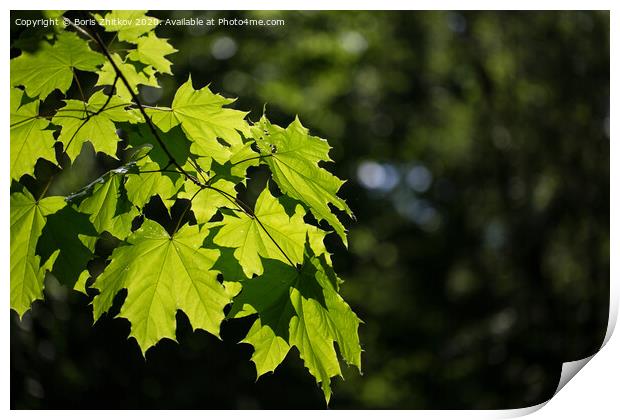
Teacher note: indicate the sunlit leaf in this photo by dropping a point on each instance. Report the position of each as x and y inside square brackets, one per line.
[28, 217]
[109, 209]
[136, 78]
[204, 119]
[163, 274]
[94, 122]
[293, 157]
[270, 234]
[51, 67]
[299, 307]
[30, 140]
[152, 50]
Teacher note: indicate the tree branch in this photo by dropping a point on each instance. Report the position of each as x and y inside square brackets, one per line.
[244, 207]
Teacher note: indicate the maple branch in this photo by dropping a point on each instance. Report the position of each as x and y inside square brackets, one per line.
[136, 100]
[128, 104]
[157, 108]
[150, 124]
[239, 203]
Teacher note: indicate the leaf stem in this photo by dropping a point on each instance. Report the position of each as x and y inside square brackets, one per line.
[79, 85]
[251, 158]
[160, 171]
[189, 205]
[47, 185]
[107, 101]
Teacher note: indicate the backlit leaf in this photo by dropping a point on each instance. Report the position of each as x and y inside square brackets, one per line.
[163, 274]
[72, 235]
[271, 234]
[301, 308]
[92, 122]
[141, 187]
[152, 50]
[293, 159]
[206, 201]
[107, 75]
[108, 208]
[30, 140]
[204, 119]
[51, 67]
[28, 217]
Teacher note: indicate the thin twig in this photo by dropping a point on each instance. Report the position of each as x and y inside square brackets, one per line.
[112, 41]
[189, 205]
[107, 101]
[77, 82]
[49, 182]
[128, 104]
[64, 150]
[160, 171]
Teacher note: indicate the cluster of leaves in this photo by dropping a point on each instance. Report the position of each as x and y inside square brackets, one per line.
[229, 259]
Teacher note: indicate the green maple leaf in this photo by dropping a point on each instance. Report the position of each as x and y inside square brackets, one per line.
[151, 50]
[255, 237]
[206, 201]
[163, 274]
[241, 158]
[108, 207]
[70, 234]
[204, 119]
[128, 24]
[293, 156]
[83, 122]
[51, 67]
[29, 138]
[142, 186]
[301, 308]
[107, 75]
[28, 217]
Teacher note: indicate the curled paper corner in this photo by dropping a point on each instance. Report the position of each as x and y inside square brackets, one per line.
[570, 369]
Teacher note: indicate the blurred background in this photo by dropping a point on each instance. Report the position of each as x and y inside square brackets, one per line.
[476, 149]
